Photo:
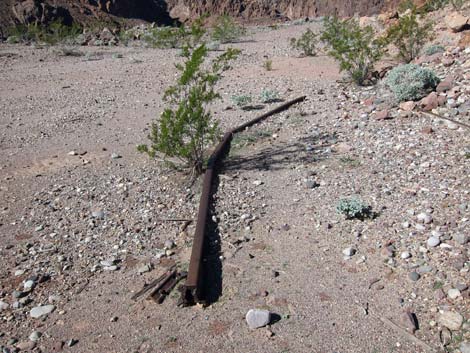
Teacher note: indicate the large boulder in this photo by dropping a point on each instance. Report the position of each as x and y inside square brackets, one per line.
[35, 11]
[457, 22]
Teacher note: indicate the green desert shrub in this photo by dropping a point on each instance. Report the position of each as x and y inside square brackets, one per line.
[306, 44]
[242, 100]
[175, 37]
[226, 30]
[411, 82]
[53, 33]
[433, 49]
[354, 47]
[186, 126]
[268, 65]
[269, 96]
[409, 35]
[353, 208]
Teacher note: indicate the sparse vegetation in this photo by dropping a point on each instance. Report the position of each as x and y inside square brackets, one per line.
[242, 100]
[54, 33]
[268, 65]
[411, 82]
[354, 47]
[433, 49]
[186, 126]
[306, 44]
[175, 37]
[353, 208]
[269, 96]
[409, 35]
[226, 30]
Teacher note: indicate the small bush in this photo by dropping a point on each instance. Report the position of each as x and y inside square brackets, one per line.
[353, 208]
[269, 96]
[409, 36]
[434, 5]
[268, 65]
[186, 126]
[411, 82]
[354, 47]
[53, 33]
[433, 49]
[306, 43]
[457, 4]
[226, 30]
[242, 101]
[175, 37]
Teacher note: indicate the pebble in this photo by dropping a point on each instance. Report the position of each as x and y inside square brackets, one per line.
[35, 336]
[40, 311]
[98, 214]
[19, 273]
[169, 244]
[453, 293]
[257, 318]
[349, 251]
[462, 239]
[107, 263]
[414, 276]
[29, 284]
[26, 346]
[452, 320]
[433, 242]
[144, 269]
[115, 156]
[405, 255]
[3, 306]
[110, 268]
[465, 347]
[257, 183]
[311, 184]
[424, 218]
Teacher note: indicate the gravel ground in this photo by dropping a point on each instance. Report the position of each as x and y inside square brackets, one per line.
[84, 217]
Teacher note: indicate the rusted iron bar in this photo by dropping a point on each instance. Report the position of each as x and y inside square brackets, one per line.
[152, 284]
[192, 292]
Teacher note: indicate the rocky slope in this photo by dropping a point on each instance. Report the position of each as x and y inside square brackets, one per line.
[162, 11]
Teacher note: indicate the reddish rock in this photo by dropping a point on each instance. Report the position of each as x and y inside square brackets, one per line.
[382, 115]
[427, 130]
[430, 102]
[445, 85]
[447, 62]
[407, 106]
[456, 22]
[441, 100]
[369, 101]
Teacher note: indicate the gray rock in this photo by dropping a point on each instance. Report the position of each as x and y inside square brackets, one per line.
[98, 214]
[311, 184]
[462, 239]
[35, 336]
[425, 269]
[414, 276]
[424, 218]
[144, 268]
[40, 311]
[115, 156]
[107, 263]
[257, 318]
[433, 242]
[452, 320]
[3, 306]
[465, 347]
[29, 284]
[111, 268]
[169, 244]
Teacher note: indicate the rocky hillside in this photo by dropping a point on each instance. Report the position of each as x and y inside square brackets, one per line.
[164, 11]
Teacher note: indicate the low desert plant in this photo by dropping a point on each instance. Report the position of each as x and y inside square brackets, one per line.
[268, 65]
[175, 37]
[242, 100]
[409, 35]
[457, 4]
[306, 44]
[433, 49]
[411, 82]
[226, 30]
[186, 126]
[353, 208]
[53, 33]
[354, 47]
[269, 96]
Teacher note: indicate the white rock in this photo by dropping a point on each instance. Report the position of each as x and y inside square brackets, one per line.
[40, 311]
[257, 318]
[258, 182]
[405, 255]
[453, 293]
[424, 218]
[433, 242]
[452, 320]
[34, 336]
[349, 251]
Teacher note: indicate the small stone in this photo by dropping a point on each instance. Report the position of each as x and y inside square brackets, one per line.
[424, 218]
[40, 311]
[405, 255]
[430, 102]
[452, 320]
[311, 184]
[72, 342]
[409, 321]
[111, 268]
[72, 153]
[257, 318]
[35, 336]
[433, 242]
[456, 21]
[107, 263]
[98, 214]
[115, 156]
[453, 293]
[29, 284]
[19, 273]
[26, 346]
[382, 115]
[349, 251]
[169, 244]
[460, 238]
[257, 182]
[3, 306]
[407, 106]
[465, 347]
[414, 276]
[145, 268]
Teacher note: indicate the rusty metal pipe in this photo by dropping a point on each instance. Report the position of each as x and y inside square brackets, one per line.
[192, 289]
